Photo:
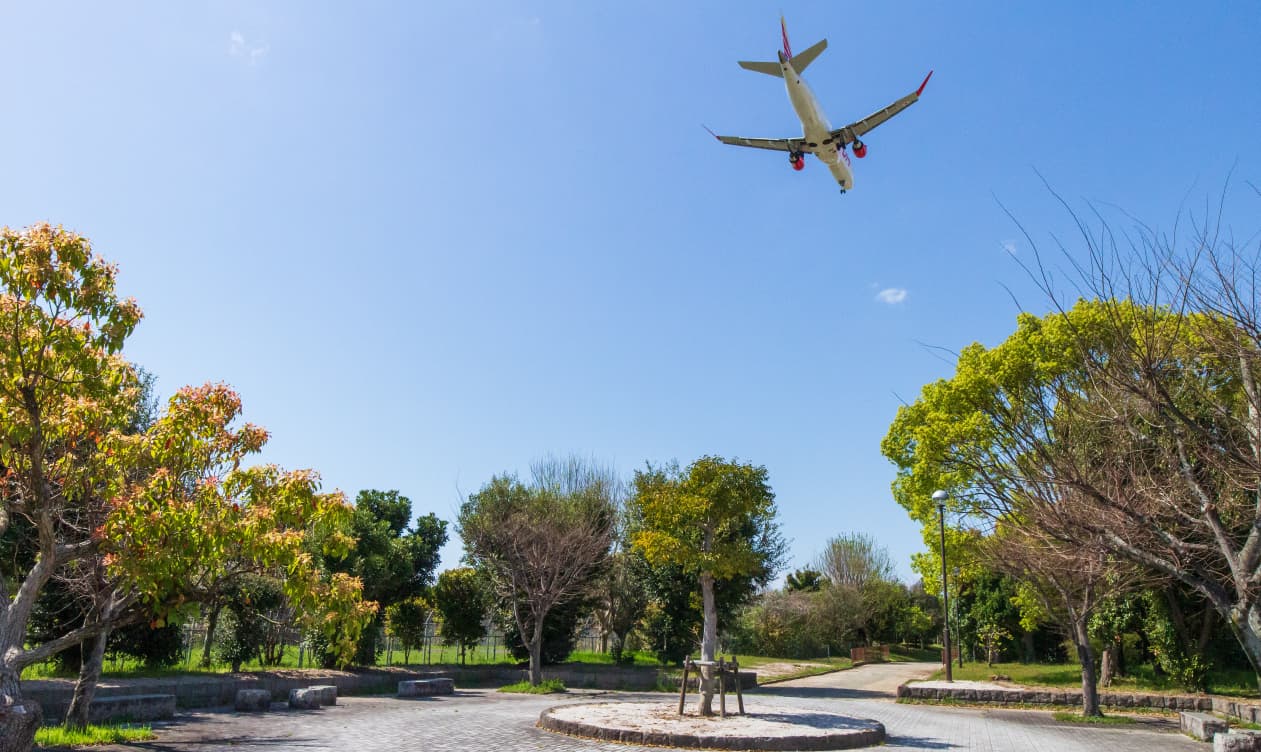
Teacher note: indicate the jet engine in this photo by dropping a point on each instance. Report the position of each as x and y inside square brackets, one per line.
[860, 149]
[799, 163]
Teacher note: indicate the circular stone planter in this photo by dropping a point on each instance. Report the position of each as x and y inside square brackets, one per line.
[773, 727]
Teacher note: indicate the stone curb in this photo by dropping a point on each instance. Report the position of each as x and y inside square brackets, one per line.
[846, 739]
[1049, 696]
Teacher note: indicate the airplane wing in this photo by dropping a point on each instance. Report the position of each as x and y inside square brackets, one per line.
[851, 133]
[774, 144]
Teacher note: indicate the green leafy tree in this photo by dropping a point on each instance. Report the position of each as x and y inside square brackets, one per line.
[804, 580]
[394, 562]
[992, 636]
[461, 598]
[249, 600]
[560, 631]
[717, 522]
[622, 598]
[406, 621]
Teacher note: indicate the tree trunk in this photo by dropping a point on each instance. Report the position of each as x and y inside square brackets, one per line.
[211, 622]
[89, 676]
[1086, 656]
[709, 643]
[536, 652]
[1247, 628]
[19, 719]
[1109, 665]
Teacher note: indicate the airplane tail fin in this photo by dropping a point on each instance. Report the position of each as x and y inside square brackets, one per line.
[770, 69]
[799, 62]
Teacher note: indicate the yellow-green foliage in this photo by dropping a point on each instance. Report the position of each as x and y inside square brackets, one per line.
[961, 424]
[708, 520]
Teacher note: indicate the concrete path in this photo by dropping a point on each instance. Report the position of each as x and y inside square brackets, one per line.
[871, 681]
[483, 719]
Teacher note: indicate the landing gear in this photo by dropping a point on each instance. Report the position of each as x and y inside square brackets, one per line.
[797, 159]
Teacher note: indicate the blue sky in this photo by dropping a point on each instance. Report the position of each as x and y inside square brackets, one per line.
[429, 242]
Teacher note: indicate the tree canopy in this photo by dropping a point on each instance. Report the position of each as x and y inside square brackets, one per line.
[164, 512]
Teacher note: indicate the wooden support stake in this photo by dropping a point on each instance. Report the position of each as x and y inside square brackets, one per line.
[735, 669]
[683, 686]
[722, 689]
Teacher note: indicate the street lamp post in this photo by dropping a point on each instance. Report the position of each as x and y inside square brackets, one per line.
[940, 497]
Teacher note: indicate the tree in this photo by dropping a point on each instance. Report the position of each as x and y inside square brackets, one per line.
[62, 386]
[717, 522]
[541, 544]
[407, 620]
[855, 559]
[860, 572]
[460, 597]
[249, 600]
[622, 597]
[395, 562]
[804, 580]
[621, 593]
[1157, 371]
[158, 514]
[786, 624]
[560, 630]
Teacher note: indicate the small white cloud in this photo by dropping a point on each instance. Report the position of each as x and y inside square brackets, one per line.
[892, 295]
[1010, 246]
[250, 51]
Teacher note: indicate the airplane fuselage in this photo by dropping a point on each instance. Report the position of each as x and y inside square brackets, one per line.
[815, 129]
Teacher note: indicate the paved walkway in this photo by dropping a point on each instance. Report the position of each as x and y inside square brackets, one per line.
[482, 719]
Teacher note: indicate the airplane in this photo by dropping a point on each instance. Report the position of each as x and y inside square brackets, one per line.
[818, 137]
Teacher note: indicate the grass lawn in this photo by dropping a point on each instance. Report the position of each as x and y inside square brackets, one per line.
[545, 687]
[1142, 679]
[60, 736]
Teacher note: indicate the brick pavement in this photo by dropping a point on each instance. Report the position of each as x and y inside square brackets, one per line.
[483, 719]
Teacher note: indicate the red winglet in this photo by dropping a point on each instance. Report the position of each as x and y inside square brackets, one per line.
[706, 127]
[920, 90]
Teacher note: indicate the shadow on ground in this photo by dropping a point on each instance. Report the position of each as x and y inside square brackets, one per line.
[917, 742]
[203, 727]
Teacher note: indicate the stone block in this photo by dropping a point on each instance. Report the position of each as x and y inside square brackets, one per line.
[1201, 726]
[327, 693]
[252, 700]
[132, 708]
[304, 699]
[426, 687]
[1237, 741]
